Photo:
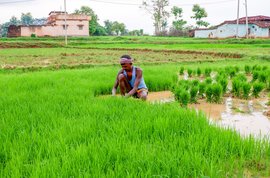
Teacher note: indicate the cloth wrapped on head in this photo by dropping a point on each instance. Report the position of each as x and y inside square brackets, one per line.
[125, 61]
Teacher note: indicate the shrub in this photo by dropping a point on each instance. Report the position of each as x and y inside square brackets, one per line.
[216, 93]
[199, 71]
[181, 72]
[33, 35]
[193, 94]
[202, 87]
[246, 90]
[247, 69]
[257, 88]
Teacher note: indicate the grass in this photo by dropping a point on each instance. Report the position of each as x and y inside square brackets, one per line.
[55, 123]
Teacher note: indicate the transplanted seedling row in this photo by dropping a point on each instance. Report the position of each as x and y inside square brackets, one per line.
[213, 84]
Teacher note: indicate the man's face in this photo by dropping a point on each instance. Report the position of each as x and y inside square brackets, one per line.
[126, 66]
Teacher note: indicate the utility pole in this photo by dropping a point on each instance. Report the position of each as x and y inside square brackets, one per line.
[65, 7]
[246, 18]
[237, 21]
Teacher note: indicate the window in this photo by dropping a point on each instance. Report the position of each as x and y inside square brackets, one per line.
[80, 27]
[64, 27]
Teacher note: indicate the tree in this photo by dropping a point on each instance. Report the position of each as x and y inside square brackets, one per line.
[4, 26]
[108, 27]
[27, 19]
[199, 13]
[93, 24]
[119, 28]
[157, 8]
[178, 23]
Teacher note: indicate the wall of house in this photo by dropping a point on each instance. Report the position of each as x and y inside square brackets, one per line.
[229, 30]
[74, 28]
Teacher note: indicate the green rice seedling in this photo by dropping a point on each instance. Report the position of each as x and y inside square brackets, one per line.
[232, 72]
[193, 94]
[208, 80]
[247, 69]
[237, 69]
[207, 72]
[199, 71]
[202, 88]
[181, 71]
[264, 68]
[246, 90]
[190, 72]
[209, 94]
[255, 76]
[268, 83]
[224, 83]
[254, 67]
[241, 77]
[236, 87]
[183, 97]
[216, 92]
[195, 82]
[257, 88]
[185, 84]
[262, 77]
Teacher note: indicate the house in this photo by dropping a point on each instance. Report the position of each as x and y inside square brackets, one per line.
[258, 26]
[77, 25]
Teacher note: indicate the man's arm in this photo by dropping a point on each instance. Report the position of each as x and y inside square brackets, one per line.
[116, 83]
[137, 82]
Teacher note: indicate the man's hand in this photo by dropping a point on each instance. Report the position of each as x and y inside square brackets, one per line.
[113, 91]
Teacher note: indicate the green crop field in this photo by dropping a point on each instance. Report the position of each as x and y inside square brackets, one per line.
[55, 121]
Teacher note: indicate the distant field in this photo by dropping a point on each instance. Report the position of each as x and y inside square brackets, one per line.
[54, 122]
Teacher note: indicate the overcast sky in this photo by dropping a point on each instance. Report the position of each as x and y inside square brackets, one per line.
[129, 12]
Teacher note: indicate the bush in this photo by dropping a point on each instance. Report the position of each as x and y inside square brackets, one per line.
[257, 88]
[193, 94]
[246, 90]
[216, 93]
[33, 35]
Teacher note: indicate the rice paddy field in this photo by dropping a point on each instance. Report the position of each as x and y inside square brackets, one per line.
[57, 118]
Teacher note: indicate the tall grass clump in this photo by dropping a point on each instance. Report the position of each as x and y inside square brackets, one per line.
[193, 94]
[246, 90]
[257, 88]
[236, 87]
[199, 71]
[255, 76]
[202, 88]
[183, 96]
[195, 82]
[181, 71]
[247, 69]
[232, 72]
[209, 93]
[263, 77]
[208, 80]
[189, 72]
[207, 72]
[216, 93]
[224, 83]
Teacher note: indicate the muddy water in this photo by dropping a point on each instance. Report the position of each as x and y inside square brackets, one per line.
[245, 116]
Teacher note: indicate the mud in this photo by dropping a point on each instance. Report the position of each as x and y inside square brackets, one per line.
[160, 97]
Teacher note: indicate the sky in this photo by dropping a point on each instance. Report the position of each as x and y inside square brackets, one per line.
[130, 13]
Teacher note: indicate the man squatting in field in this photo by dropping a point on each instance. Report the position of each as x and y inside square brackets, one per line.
[130, 80]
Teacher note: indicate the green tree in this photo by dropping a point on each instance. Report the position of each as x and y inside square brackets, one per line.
[157, 8]
[178, 23]
[27, 19]
[199, 14]
[4, 27]
[119, 28]
[93, 23]
[108, 27]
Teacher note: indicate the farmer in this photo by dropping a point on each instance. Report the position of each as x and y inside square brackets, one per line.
[130, 80]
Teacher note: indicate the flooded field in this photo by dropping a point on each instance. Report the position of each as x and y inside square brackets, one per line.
[245, 116]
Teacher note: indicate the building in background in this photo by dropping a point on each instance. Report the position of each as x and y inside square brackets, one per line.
[258, 26]
[77, 25]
